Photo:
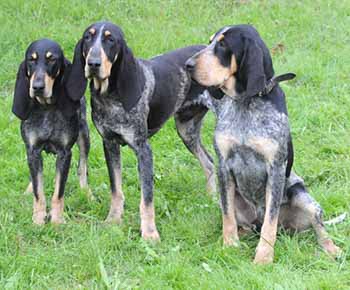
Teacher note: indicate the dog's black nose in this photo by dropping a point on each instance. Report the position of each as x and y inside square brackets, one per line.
[94, 63]
[190, 63]
[38, 86]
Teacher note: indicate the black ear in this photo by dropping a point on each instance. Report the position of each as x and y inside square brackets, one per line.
[251, 70]
[22, 102]
[65, 104]
[76, 82]
[128, 78]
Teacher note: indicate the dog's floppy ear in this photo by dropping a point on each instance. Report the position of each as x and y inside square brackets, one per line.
[22, 102]
[251, 69]
[65, 104]
[76, 82]
[128, 80]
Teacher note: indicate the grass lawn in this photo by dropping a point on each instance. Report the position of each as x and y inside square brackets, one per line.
[310, 38]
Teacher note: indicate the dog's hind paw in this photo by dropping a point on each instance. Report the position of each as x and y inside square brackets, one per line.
[331, 249]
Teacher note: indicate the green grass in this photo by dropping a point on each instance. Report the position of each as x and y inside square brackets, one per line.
[310, 38]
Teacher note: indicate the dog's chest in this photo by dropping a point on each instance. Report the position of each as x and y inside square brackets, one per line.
[250, 139]
[258, 127]
[50, 128]
[113, 121]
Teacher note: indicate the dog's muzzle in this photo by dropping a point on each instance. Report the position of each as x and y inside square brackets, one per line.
[94, 65]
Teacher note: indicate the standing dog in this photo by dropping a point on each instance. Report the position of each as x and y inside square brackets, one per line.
[253, 142]
[131, 100]
[51, 121]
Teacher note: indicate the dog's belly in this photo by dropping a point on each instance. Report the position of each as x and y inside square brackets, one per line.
[250, 176]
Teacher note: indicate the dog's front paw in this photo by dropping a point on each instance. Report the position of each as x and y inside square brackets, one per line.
[231, 241]
[113, 218]
[115, 214]
[57, 218]
[264, 254]
[39, 217]
[150, 234]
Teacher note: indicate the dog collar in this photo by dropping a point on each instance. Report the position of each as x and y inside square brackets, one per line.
[274, 81]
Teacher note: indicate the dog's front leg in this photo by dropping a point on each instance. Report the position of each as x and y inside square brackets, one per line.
[227, 191]
[35, 163]
[145, 168]
[113, 160]
[62, 169]
[274, 192]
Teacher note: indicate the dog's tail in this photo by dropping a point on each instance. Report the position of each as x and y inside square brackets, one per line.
[337, 220]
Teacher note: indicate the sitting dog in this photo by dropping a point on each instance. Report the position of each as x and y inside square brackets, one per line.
[253, 142]
[51, 121]
[131, 101]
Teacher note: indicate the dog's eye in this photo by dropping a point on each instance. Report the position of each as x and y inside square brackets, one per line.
[87, 37]
[51, 60]
[221, 44]
[110, 39]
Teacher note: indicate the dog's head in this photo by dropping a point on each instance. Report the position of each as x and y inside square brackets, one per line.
[39, 76]
[237, 61]
[103, 56]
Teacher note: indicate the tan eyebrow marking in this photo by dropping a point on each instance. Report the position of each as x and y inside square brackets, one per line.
[48, 54]
[34, 55]
[92, 31]
[220, 37]
[107, 33]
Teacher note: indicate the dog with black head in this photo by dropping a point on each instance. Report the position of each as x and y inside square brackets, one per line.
[131, 100]
[253, 142]
[51, 122]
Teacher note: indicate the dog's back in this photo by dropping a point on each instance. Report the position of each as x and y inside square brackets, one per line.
[172, 84]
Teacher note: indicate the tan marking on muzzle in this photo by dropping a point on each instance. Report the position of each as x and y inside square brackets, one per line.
[106, 65]
[31, 91]
[209, 71]
[49, 81]
[105, 71]
[86, 69]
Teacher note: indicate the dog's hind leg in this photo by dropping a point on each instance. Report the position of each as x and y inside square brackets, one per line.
[84, 148]
[188, 124]
[35, 163]
[62, 169]
[303, 212]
